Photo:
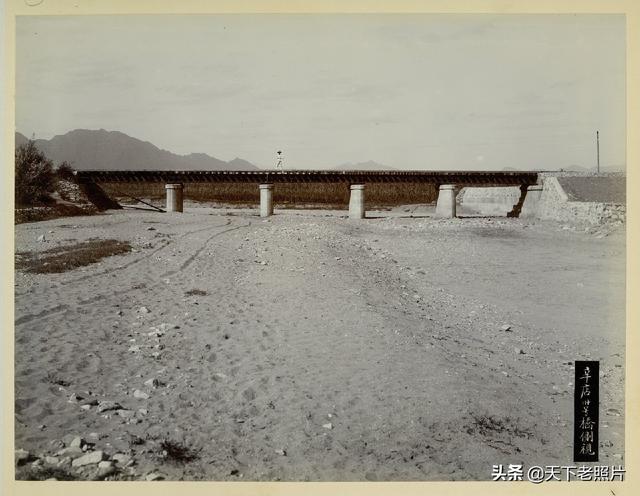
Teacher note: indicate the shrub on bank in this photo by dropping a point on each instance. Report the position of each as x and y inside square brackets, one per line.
[35, 178]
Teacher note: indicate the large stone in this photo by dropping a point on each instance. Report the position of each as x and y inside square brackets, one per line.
[91, 458]
[77, 442]
[141, 395]
[105, 406]
[71, 452]
[121, 459]
[22, 456]
[126, 414]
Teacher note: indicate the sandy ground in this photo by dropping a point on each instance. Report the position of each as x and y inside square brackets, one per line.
[324, 348]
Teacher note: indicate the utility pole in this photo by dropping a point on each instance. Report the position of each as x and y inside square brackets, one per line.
[598, 149]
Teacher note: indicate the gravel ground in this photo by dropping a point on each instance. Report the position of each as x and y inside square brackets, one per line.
[310, 347]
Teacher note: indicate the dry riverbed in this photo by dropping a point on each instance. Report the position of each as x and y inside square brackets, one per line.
[310, 347]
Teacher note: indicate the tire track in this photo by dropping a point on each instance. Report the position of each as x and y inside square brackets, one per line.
[191, 259]
[143, 257]
[46, 312]
[81, 302]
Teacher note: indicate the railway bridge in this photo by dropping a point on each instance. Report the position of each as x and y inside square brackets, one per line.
[447, 183]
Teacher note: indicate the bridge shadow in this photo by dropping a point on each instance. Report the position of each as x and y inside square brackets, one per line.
[483, 216]
[376, 217]
[131, 207]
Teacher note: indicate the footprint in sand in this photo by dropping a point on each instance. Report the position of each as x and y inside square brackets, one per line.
[249, 394]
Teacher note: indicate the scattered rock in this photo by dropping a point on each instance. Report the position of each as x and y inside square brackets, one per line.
[104, 406]
[77, 442]
[155, 476]
[56, 444]
[105, 468]
[141, 395]
[51, 460]
[89, 459]
[505, 328]
[152, 383]
[70, 452]
[126, 414]
[134, 349]
[328, 425]
[519, 351]
[121, 459]
[41, 238]
[22, 456]
[144, 310]
[281, 452]
[151, 228]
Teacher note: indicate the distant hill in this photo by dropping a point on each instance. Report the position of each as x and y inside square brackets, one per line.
[575, 168]
[370, 165]
[91, 149]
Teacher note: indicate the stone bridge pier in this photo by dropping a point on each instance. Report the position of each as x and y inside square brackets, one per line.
[531, 200]
[174, 197]
[266, 200]
[446, 206]
[356, 201]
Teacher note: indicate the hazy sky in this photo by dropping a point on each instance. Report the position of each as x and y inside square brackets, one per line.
[409, 91]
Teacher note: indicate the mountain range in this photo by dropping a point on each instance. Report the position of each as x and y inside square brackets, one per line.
[100, 149]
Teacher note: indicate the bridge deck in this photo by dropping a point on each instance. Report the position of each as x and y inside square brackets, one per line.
[462, 178]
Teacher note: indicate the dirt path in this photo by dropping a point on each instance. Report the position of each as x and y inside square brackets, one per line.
[316, 348]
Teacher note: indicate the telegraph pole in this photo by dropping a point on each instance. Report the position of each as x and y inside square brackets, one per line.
[598, 149]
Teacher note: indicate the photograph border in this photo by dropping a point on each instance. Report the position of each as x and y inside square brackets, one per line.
[9, 9]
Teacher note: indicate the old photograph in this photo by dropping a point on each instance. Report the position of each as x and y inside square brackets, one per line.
[320, 247]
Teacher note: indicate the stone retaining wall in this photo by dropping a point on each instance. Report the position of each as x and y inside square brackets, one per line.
[555, 205]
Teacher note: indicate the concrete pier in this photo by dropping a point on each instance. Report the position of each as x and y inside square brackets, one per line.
[174, 197]
[356, 202]
[531, 200]
[266, 200]
[446, 206]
